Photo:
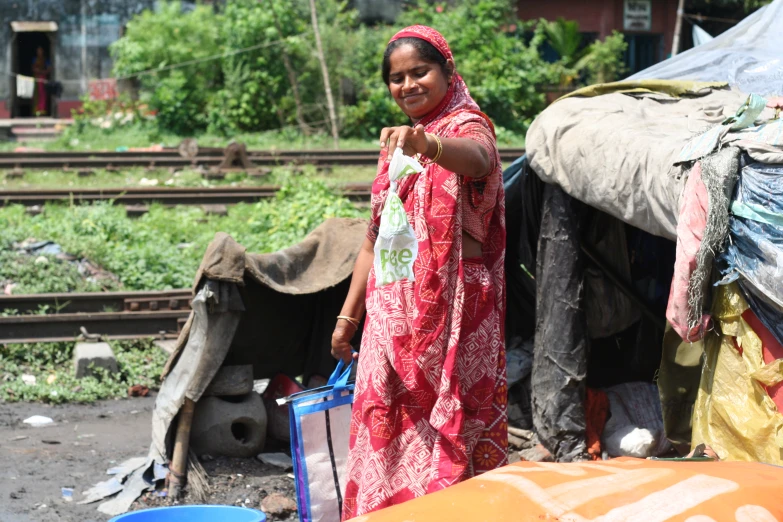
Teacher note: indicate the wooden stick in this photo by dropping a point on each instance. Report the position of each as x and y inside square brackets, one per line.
[678, 28]
[325, 72]
[179, 460]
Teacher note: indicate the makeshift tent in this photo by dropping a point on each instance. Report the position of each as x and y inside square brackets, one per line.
[682, 159]
[275, 311]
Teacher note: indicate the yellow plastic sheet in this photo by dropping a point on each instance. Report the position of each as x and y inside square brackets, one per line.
[675, 88]
[733, 412]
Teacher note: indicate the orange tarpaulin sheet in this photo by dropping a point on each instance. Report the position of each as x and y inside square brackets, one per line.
[621, 490]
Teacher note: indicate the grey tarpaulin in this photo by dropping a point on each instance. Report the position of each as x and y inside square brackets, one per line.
[618, 152]
[561, 343]
[747, 56]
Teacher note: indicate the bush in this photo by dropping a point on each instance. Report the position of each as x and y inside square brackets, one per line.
[604, 59]
[165, 37]
[253, 90]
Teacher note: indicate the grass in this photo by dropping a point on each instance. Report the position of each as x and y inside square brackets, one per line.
[139, 362]
[93, 138]
[132, 177]
[89, 138]
[163, 248]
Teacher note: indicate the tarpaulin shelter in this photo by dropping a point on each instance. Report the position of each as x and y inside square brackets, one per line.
[678, 152]
[275, 311]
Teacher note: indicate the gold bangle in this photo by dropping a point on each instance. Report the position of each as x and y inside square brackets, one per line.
[438, 154]
[351, 320]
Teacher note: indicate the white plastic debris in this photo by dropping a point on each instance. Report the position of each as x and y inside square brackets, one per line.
[28, 379]
[279, 460]
[144, 182]
[38, 420]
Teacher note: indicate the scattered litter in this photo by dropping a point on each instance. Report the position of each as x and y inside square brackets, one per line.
[67, 494]
[144, 182]
[41, 247]
[260, 386]
[291, 476]
[162, 493]
[101, 490]
[138, 390]
[127, 467]
[28, 379]
[159, 471]
[132, 489]
[38, 420]
[134, 412]
[51, 379]
[279, 460]
[19, 437]
[519, 362]
[635, 425]
[86, 436]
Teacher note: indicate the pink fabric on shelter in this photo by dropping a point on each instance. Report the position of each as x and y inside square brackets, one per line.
[690, 230]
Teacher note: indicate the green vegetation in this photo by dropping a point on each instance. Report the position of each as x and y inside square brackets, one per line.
[133, 177]
[140, 362]
[162, 249]
[273, 79]
[599, 62]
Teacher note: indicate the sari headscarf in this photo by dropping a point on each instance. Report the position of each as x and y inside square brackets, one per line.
[430, 389]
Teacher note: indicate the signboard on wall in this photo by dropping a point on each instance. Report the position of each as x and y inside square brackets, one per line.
[637, 15]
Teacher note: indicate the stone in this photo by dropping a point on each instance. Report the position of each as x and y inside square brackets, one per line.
[100, 355]
[229, 426]
[279, 460]
[231, 380]
[278, 506]
[167, 345]
[537, 453]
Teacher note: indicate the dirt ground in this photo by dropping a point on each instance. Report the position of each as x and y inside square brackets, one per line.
[83, 443]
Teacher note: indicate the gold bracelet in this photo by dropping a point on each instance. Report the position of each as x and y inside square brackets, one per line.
[438, 154]
[351, 320]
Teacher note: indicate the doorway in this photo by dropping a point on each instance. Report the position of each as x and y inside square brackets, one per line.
[24, 49]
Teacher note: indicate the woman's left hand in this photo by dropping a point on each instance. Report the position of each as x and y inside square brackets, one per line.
[412, 140]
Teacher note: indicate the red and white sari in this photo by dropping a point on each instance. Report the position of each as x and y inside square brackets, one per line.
[430, 399]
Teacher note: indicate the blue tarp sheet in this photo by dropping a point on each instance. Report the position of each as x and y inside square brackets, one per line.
[755, 251]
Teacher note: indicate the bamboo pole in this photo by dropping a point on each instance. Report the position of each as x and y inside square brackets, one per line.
[678, 28]
[179, 460]
[325, 72]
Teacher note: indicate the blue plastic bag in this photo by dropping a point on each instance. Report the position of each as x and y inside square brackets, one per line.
[320, 429]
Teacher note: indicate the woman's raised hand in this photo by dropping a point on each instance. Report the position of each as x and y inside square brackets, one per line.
[412, 140]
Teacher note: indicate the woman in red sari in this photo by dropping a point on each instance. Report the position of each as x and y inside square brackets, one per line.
[430, 400]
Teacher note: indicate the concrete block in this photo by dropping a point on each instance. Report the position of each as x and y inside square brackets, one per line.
[229, 426]
[100, 355]
[231, 380]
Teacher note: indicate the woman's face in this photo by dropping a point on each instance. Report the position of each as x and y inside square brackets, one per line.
[417, 86]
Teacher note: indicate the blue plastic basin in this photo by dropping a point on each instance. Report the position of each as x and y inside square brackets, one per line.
[193, 514]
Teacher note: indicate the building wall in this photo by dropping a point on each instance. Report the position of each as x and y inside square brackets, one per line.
[602, 16]
[102, 21]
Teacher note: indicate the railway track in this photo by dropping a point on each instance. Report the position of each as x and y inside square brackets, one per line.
[167, 196]
[212, 157]
[113, 315]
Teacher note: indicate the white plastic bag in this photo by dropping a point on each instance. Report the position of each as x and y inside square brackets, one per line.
[396, 247]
